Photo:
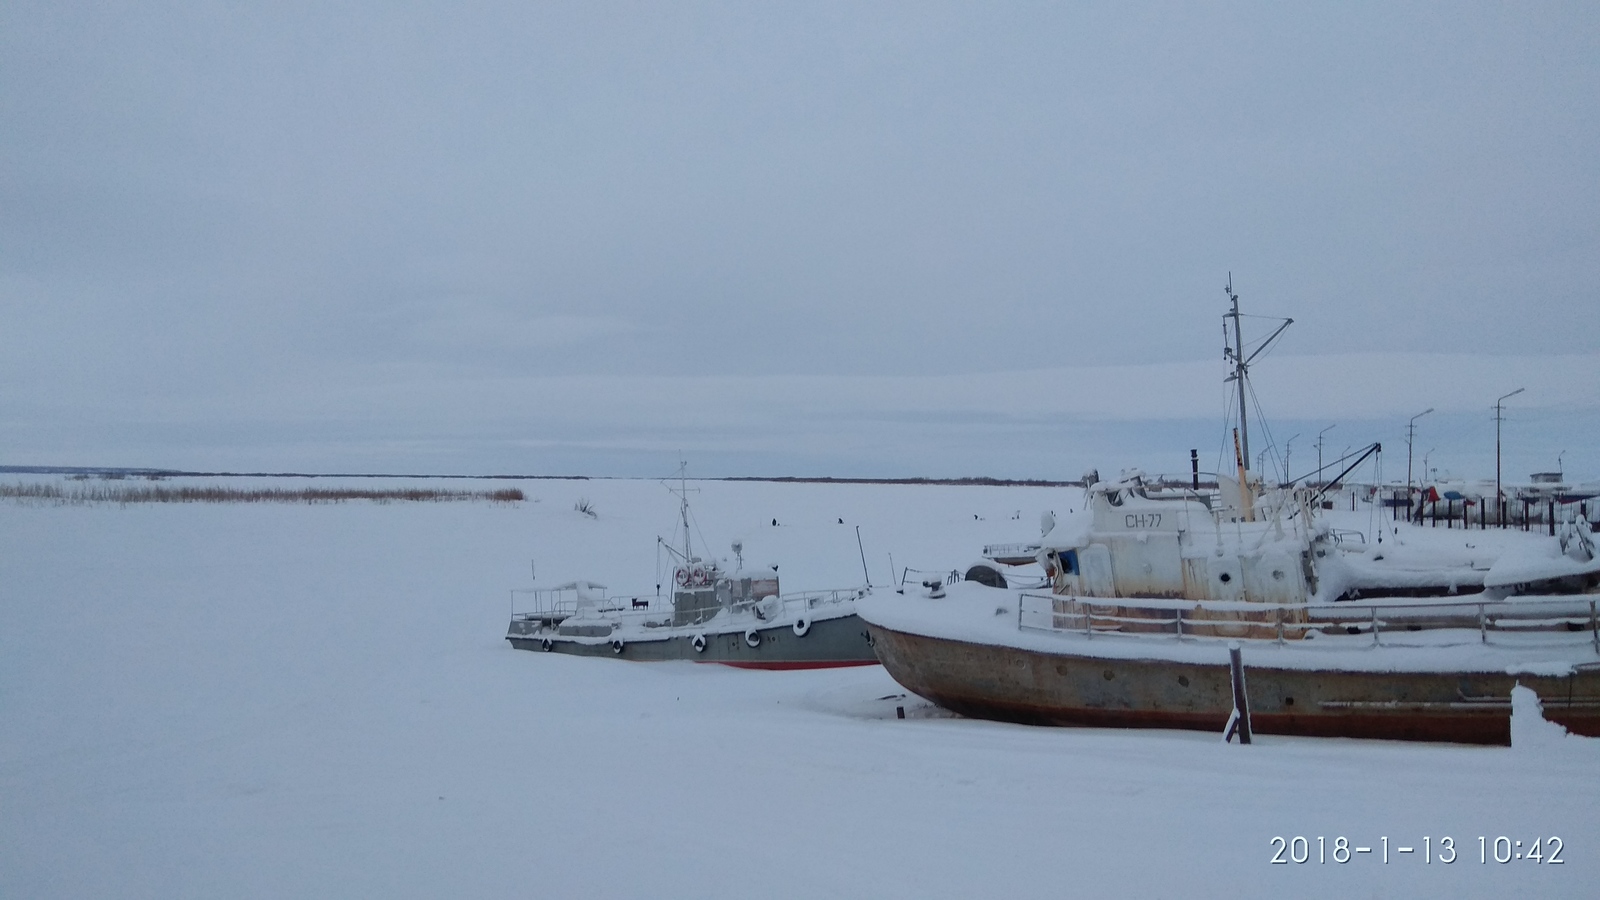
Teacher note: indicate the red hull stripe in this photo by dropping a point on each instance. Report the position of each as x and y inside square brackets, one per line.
[812, 664]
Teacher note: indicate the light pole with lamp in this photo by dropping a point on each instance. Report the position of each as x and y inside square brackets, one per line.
[1411, 433]
[1287, 446]
[1319, 452]
[1499, 501]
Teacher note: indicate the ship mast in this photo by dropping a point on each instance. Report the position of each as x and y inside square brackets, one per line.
[1241, 368]
[1233, 351]
[686, 555]
[683, 506]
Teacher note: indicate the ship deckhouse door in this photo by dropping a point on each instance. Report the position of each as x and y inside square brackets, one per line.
[1094, 578]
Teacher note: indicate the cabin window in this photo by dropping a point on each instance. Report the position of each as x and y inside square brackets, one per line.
[1069, 562]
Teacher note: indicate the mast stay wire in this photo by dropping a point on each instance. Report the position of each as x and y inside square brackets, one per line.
[1261, 418]
[1259, 348]
[1227, 417]
[693, 521]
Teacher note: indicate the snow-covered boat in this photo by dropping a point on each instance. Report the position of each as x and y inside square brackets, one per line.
[734, 615]
[1149, 588]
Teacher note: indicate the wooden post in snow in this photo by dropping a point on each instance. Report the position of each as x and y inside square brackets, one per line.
[1239, 720]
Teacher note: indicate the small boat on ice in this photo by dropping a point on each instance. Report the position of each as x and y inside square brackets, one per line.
[1150, 588]
[734, 616]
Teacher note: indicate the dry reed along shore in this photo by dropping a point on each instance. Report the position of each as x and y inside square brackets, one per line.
[43, 492]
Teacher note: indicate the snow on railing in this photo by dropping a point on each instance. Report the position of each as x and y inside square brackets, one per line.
[541, 603]
[1209, 620]
[1010, 551]
[1340, 535]
[556, 604]
[950, 576]
[816, 599]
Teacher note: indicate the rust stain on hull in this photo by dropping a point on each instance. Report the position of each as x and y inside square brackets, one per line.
[1030, 687]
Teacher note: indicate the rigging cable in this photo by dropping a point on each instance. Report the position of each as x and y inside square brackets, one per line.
[1265, 428]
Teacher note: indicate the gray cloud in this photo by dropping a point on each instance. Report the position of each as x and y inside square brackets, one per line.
[296, 201]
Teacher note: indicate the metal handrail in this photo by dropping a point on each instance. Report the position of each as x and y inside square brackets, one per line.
[992, 550]
[1353, 617]
[552, 602]
[950, 576]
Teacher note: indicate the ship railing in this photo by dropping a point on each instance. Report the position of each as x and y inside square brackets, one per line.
[1011, 551]
[542, 603]
[947, 576]
[822, 599]
[803, 601]
[555, 604]
[1385, 621]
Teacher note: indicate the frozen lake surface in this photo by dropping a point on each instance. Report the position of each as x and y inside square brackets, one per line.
[274, 700]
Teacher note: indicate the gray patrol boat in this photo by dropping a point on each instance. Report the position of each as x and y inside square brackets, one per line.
[737, 617]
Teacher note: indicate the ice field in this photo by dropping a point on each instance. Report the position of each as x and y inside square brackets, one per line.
[316, 700]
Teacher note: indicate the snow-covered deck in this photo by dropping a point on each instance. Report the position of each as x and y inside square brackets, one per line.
[1533, 635]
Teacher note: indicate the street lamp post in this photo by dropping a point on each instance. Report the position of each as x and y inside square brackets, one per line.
[1319, 452]
[1499, 503]
[1411, 433]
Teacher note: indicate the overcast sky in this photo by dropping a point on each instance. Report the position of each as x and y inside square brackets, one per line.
[808, 238]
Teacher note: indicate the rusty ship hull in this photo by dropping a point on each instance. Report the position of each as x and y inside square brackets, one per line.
[997, 681]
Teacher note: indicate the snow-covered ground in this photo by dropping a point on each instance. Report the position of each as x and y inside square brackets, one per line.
[271, 700]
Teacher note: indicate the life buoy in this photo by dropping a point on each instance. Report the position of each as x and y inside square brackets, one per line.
[801, 626]
[752, 638]
[698, 575]
[682, 578]
[699, 643]
[546, 645]
[616, 647]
